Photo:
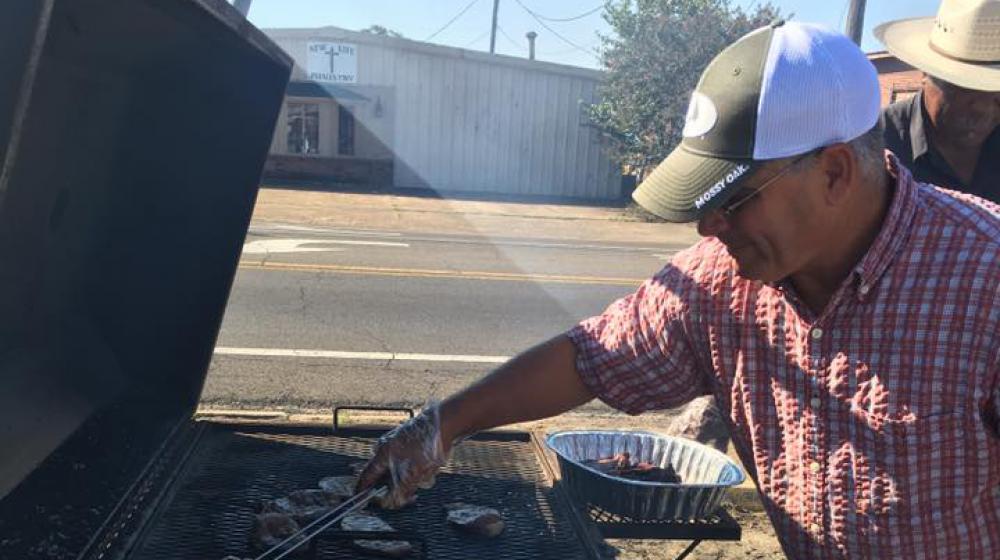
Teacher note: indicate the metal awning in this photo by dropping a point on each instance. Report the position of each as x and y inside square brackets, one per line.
[317, 89]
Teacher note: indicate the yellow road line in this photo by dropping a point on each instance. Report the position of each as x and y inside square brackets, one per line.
[431, 273]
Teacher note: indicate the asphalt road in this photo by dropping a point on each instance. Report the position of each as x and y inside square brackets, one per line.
[320, 317]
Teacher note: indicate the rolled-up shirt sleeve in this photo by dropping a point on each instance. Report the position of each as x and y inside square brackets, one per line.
[636, 355]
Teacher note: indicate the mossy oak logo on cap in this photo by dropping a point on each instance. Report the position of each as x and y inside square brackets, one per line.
[721, 184]
[701, 116]
[758, 101]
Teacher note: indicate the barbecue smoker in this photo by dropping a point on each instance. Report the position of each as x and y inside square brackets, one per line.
[132, 137]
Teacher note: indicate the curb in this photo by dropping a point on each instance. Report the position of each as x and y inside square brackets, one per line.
[240, 413]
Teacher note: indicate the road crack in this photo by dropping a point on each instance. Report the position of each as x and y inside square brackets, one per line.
[303, 304]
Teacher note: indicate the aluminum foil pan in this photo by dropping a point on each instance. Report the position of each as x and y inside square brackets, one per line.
[705, 474]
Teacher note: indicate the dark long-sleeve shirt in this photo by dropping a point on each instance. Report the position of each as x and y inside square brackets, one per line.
[906, 136]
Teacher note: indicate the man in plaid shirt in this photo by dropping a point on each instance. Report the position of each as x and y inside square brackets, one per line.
[845, 317]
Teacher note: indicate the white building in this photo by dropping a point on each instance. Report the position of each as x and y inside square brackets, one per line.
[382, 111]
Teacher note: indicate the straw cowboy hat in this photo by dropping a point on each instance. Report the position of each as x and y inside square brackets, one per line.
[961, 45]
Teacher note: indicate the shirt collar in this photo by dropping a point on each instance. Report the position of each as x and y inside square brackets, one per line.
[890, 239]
[918, 134]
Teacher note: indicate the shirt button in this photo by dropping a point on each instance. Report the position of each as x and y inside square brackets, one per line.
[817, 333]
[815, 402]
[864, 289]
[814, 467]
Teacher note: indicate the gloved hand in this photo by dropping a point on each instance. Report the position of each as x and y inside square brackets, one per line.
[408, 457]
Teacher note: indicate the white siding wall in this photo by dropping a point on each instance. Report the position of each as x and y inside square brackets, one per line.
[465, 121]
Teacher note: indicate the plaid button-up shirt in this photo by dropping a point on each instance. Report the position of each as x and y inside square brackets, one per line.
[871, 429]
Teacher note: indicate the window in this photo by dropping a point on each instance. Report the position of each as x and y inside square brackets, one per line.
[303, 128]
[345, 137]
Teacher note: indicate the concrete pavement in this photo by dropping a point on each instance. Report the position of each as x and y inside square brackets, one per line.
[474, 217]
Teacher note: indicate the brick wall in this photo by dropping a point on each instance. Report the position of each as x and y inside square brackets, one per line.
[898, 80]
[358, 171]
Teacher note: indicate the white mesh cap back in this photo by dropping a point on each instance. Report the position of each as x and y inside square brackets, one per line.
[818, 89]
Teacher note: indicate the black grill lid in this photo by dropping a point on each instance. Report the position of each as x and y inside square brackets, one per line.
[132, 137]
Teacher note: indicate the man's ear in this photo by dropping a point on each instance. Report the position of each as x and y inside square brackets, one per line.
[840, 170]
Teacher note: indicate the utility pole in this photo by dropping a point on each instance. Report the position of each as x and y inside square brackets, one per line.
[493, 32]
[242, 6]
[856, 21]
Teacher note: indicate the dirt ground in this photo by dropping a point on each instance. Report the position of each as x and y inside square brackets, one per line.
[758, 541]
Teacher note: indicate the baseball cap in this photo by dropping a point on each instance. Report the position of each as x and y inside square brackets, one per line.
[779, 91]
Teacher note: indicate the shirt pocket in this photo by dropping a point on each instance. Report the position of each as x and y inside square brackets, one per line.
[905, 465]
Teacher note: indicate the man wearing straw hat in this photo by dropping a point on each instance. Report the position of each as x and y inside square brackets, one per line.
[949, 133]
[845, 316]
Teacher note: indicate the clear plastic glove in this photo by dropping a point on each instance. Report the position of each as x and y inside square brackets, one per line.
[407, 457]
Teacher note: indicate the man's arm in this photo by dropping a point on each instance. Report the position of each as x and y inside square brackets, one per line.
[629, 348]
[538, 383]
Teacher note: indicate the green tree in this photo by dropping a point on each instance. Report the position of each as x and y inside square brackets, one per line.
[653, 60]
[380, 30]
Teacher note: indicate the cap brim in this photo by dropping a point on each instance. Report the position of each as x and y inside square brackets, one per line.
[909, 41]
[680, 189]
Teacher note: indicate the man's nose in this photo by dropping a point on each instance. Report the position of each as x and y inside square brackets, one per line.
[712, 224]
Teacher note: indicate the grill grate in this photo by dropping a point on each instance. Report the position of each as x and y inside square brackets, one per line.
[209, 513]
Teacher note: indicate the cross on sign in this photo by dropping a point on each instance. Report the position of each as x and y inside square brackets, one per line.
[333, 55]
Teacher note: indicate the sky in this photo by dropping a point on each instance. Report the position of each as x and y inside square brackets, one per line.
[564, 42]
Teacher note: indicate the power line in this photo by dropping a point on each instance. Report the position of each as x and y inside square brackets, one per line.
[843, 15]
[749, 13]
[553, 31]
[452, 20]
[479, 38]
[574, 18]
[512, 41]
[565, 51]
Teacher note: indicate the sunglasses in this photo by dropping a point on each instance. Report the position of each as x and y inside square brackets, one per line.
[730, 207]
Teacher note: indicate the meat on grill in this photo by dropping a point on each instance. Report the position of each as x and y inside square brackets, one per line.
[304, 506]
[478, 520]
[622, 465]
[368, 522]
[340, 486]
[343, 486]
[270, 529]
[314, 497]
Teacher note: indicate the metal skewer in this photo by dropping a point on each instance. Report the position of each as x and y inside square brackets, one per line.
[351, 505]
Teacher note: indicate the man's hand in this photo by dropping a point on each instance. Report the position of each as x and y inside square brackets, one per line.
[408, 457]
[538, 383]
